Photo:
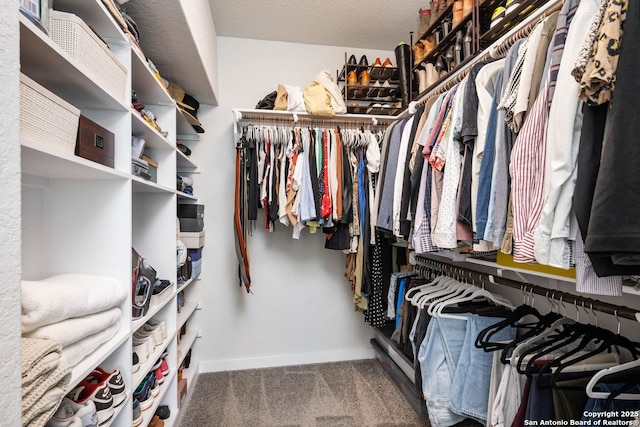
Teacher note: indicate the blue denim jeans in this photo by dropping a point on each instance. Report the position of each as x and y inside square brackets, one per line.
[438, 357]
[470, 389]
[614, 412]
[456, 374]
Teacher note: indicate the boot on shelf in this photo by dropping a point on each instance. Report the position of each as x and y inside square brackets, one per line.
[403, 59]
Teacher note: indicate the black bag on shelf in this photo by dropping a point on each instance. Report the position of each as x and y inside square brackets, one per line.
[268, 102]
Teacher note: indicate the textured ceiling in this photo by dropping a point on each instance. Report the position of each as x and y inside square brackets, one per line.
[371, 24]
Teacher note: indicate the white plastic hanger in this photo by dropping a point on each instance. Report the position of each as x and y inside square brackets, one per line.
[600, 374]
[453, 288]
[468, 295]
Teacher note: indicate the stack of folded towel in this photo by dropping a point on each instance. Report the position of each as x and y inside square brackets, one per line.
[45, 378]
[79, 311]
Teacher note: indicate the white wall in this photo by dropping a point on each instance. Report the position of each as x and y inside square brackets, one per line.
[300, 310]
[10, 392]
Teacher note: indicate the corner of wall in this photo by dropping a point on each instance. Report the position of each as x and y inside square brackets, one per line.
[10, 211]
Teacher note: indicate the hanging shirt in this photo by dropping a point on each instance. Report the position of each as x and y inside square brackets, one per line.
[445, 234]
[556, 227]
[485, 88]
[399, 175]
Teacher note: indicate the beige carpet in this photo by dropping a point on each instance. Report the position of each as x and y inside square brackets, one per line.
[342, 394]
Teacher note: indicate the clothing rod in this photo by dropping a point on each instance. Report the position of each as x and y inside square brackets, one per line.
[564, 297]
[496, 50]
[248, 115]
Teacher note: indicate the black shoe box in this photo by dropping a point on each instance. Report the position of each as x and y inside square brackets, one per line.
[191, 224]
[190, 211]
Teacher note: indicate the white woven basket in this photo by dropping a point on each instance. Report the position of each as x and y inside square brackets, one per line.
[46, 118]
[89, 52]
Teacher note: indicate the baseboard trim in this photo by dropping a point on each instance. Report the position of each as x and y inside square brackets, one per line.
[284, 360]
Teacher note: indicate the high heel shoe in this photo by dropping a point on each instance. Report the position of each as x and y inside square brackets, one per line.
[441, 67]
[458, 47]
[449, 59]
[467, 41]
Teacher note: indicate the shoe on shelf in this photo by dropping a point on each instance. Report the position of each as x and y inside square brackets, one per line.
[156, 422]
[352, 78]
[143, 395]
[72, 414]
[159, 376]
[137, 413]
[497, 16]
[153, 332]
[143, 342]
[511, 6]
[163, 412]
[99, 394]
[387, 63]
[64, 417]
[363, 61]
[377, 63]
[135, 362]
[113, 380]
[162, 324]
[164, 366]
[364, 78]
[352, 60]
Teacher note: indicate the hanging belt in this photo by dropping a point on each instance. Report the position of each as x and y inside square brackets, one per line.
[239, 227]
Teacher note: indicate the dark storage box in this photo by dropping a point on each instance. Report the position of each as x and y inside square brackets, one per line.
[191, 224]
[190, 211]
[94, 142]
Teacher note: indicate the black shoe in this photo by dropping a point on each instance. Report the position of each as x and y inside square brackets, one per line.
[163, 412]
[352, 60]
[363, 60]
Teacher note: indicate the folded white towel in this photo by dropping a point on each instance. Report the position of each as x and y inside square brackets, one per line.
[70, 295]
[45, 378]
[77, 351]
[73, 330]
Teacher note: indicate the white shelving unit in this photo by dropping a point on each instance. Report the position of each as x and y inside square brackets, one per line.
[82, 217]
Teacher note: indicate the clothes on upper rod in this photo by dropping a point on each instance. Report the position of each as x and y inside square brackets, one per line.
[500, 157]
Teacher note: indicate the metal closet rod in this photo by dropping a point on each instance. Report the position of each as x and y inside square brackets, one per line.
[564, 297]
[300, 117]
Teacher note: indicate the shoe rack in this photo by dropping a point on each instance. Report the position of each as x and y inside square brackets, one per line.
[369, 88]
[456, 31]
[79, 216]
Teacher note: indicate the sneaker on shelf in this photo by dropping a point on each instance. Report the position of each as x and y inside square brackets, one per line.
[161, 324]
[159, 377]
[164, 366]
[139, 339]
[99, 394]
[163, 412]
[511, 6]
[135, 362]
[71, 414]
[143, 395]
[155, 334]
[161, 289]
[142, 351]
[137, 413]
[154, 386]
[113, 380]
[85, 411]
[497, 16]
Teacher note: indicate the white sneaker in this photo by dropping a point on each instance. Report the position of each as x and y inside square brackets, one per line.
[65, 417]
[162, 324]
[142, 351]
[72, 414]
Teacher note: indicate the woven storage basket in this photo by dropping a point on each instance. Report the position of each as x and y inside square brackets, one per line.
[89, 52]
[46, 118]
